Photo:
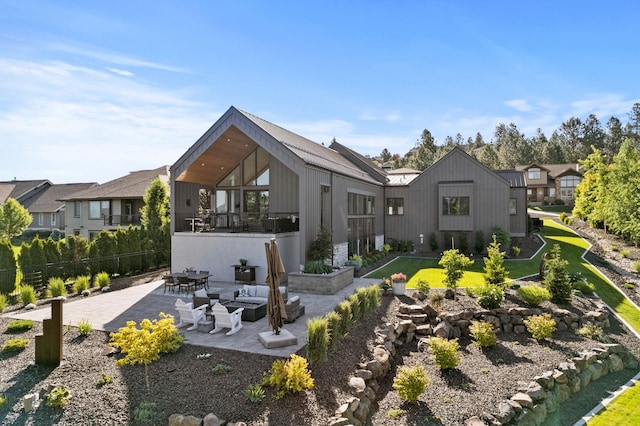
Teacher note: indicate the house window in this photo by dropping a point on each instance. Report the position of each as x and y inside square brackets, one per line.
[99, 209]
[77, 208]
[54, 218]
[361, 204]
[513, 204]
[256, 168]
[533, 173]
[395, 206]
[568, 186]
[40, 219]
[455, 206]
[552, 193]
[256, 204]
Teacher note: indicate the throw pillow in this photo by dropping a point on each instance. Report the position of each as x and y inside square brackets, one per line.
[243, 292]
[200, 293]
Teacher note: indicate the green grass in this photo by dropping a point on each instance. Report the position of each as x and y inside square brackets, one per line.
[553, 208]
[624, 410]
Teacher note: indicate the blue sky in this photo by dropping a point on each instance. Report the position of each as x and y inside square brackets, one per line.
[92, 90]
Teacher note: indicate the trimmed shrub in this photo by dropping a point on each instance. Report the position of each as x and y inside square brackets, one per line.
[556, 279]
[373, 298]
[494, 270]
[289, 376]
[81, 284]
[533, 295]
[445, 352]
[357, 308]
[636, 266]
[345, 311]
[3, 302]
[410, 382]
[56, 287]
[319, 268]
[27, 295]
[15, 345]
[541, 327]
[483, 334]
[101, 280]
[19, 326]
[584, 287]
[334, 322]
[490, 296]
[423, 286]
[317, 339]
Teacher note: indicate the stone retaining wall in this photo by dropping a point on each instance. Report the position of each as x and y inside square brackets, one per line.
[534, 400]
[299, 282]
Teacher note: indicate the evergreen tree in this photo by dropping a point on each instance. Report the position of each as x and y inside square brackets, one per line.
[102, 251]
[155, 220]
[494, 270]
[556, 279]
[8, 265]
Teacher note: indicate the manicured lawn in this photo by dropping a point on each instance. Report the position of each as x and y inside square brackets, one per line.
[554, 208]
[624, 410]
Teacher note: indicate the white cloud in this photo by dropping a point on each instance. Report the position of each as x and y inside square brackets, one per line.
[120, 72]
[390, 117]
[603, 105]
[519, 104]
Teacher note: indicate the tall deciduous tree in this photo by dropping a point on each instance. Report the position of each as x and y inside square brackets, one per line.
[623, 194]
[14, 218]
[155, 219]
[454, 264]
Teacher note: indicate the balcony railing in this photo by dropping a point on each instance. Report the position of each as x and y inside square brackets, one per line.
[122, 219]
[236, 222]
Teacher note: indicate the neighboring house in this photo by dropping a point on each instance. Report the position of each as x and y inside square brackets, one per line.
[256, 181]
[550, 182]
[42, 199]
[111, 205]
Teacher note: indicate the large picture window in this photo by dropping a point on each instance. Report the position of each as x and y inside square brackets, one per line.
[361, 204]
[455, 206]
[395, 206]
[98, 209]
[533, 173]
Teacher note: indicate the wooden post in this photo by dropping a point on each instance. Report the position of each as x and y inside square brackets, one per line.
[49, 344]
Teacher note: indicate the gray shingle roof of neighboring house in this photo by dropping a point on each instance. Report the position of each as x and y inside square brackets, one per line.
[311, 152]
[554, 170]
[20, 189]
[515, 178]
[50, 199]
[133, 185]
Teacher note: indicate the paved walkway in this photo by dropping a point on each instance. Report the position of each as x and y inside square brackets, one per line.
[112, 310]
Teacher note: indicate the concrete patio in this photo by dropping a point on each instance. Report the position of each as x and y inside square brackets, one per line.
[111, 310]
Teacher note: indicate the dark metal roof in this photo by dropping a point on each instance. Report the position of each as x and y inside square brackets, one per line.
[516, 178]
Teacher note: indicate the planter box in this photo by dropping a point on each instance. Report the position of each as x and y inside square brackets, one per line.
[320, 283]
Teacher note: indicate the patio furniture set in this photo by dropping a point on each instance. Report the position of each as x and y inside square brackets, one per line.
[187, 281]
[208, 308]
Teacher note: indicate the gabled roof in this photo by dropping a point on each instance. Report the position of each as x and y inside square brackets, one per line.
[49, 200]
[360, 160]
[311, 152]
[460, 152]
[555, 170]
[402, 176]
[133, 185]
[21, 189]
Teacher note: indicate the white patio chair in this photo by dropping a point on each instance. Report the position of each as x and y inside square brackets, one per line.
[189, 315]
[224, 319]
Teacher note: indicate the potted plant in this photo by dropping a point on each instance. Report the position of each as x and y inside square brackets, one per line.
[398, 283]
[355, 261]
[385, 285]
[243, 262]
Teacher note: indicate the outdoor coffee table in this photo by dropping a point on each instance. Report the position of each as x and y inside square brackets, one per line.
[252, 311]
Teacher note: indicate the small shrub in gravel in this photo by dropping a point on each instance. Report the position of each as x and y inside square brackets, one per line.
[289, 376]
[423, 286]
[254, 392]
[105, 379]
[541, 327]
[317, 339]
[145, 411]
[81, 284]
[410, 382]
[55, 287]
[101, 280]
[436, 299]
[490, 296]
[556, 280]
[58, 397]
[533, 295]
[27, 295]
[636, 267]
[593, 332]
[84, 327]
[19, 326]
[445, 352]
[584, 287]
[483, 334]
[3, 400]
[15, 345]
[221, 369]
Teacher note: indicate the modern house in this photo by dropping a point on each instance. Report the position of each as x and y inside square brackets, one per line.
[111, 205]
[42, 199]
[550, 182]
[247, 180]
